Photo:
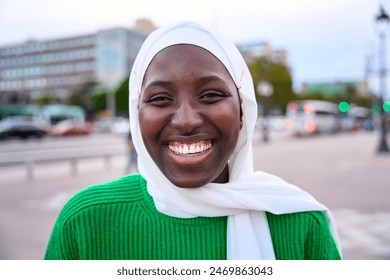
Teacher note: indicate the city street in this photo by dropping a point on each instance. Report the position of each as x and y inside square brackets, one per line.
[342, 171]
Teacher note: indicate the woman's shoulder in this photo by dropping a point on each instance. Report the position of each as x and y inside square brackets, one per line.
[122, 190]
[307, 218]
[302, 235]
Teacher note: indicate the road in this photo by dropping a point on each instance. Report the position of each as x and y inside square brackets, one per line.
[16, 151]
[342, 171]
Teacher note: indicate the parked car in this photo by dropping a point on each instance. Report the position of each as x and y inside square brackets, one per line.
[22, 127]
[120, 126]
[70, 128]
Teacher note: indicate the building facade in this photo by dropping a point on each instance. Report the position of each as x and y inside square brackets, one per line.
[59, 67]
[263, 50]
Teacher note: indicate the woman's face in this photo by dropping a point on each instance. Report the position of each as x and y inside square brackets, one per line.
[189, 115]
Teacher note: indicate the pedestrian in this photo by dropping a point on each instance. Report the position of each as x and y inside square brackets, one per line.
[192, 116]
[131, 166]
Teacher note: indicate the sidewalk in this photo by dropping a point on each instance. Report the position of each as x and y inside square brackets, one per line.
[28, 209]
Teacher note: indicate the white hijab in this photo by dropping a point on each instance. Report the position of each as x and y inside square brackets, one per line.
[248, 194]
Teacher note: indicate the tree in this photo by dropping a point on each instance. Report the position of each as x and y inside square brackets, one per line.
[122, 98]
[82, 97]
[317, 95]
[350, 93]
[46, 99]
[99, 101]
[280, 79]
[364, 101]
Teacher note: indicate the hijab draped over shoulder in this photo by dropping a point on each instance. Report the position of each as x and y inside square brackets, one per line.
[248, 194]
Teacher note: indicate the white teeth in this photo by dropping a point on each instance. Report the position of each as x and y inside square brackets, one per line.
[187, 149]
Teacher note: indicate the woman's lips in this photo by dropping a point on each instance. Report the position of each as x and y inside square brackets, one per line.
[190, 149]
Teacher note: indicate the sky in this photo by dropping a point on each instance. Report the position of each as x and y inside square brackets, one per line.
[326, 40]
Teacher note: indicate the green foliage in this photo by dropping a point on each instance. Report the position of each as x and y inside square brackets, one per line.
[280, 79]
[348, 94]
[122, 98]
[364, 101]
[99, 102]
[82, 97]
[99, 99]
[318, 95]
[43, 100]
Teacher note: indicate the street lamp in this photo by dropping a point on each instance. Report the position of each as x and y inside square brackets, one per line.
[265, 90]
[382, 20]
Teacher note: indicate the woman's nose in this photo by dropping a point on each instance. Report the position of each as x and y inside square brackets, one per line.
[187, 117]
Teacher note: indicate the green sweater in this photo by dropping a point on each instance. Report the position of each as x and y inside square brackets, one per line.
[118, 220]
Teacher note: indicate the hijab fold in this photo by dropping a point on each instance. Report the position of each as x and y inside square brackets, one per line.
[248, 194]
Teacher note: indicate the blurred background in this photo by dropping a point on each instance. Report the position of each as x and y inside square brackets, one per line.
[320, 70]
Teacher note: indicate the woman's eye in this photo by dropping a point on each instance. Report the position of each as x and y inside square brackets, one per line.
[159, 100]
[211, 96]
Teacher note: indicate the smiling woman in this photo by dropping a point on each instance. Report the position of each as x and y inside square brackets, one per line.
[192, 117]
[189, 115]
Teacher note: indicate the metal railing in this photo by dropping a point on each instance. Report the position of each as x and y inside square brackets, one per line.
[30, 163]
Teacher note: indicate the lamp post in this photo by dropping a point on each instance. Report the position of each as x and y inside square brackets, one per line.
[382, 20]
[265, 90]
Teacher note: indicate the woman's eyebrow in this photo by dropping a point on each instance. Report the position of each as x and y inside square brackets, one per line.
[211, 79]
[158, 83]
[198, 81]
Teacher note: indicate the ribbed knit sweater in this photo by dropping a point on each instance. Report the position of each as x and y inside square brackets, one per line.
[118, 220]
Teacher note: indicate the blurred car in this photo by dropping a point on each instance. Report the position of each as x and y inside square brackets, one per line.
[70, 128]
[275, 123]
[120, 126]
[22, 127]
